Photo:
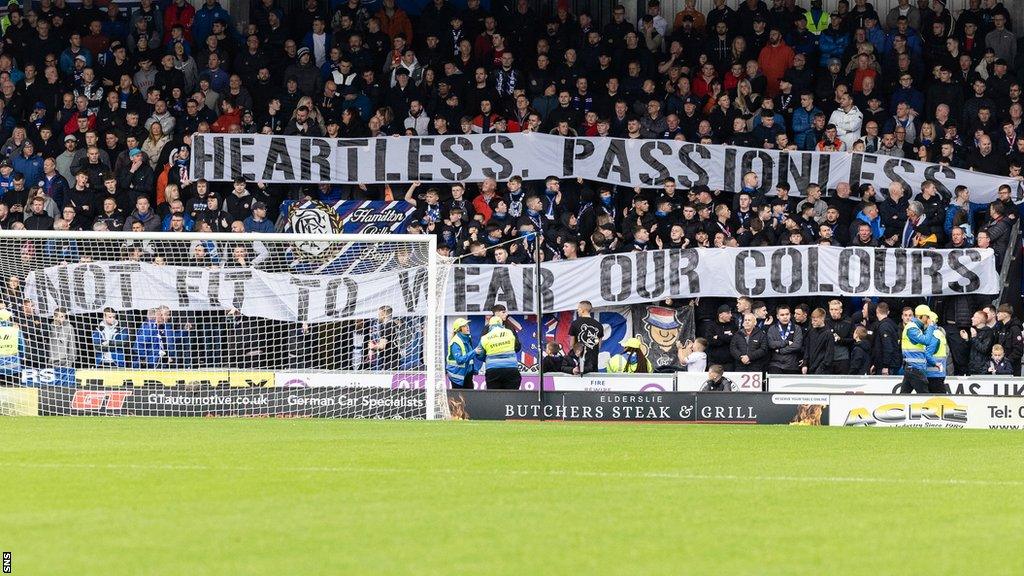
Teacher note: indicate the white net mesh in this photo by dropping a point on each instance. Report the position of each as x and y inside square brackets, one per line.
[223, 324]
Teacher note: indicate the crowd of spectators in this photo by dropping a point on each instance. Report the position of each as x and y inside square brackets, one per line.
[98, 106]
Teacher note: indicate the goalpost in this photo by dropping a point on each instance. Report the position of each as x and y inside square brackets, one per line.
[174, 324]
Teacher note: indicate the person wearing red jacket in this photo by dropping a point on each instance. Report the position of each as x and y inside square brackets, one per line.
[482, 203]
[82, 111]
[231, 115]
[180, 13]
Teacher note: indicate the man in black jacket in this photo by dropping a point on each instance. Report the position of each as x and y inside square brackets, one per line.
[981, 337]
[38, 219]
[785, 340]
[842, 329]
[749, 348]
[885, 347]
[719, 336]
[998, 229]
[1008, 334]
[819, 346]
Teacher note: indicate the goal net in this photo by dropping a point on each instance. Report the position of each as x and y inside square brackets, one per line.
[184, 324]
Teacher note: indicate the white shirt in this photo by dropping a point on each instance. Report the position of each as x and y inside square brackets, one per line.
[697, 362]
[320, 49]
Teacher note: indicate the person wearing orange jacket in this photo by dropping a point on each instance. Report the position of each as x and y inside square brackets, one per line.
[775, 58]
[394, 21]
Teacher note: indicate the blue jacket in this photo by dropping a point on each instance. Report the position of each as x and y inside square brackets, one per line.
[912, 96]
[877, 38]
[189, 223]
[877, 229]
[307, 41]
[148, 344]
[920, 359]
[116, 346]
[67, 60]
[780, 122]
[218, 79]
[952, 211]
[832, 44]
[362, 104]
[31, 167]
[55, 188]
[266, 226]
[803, 127]
[202, 24]
[460, 359]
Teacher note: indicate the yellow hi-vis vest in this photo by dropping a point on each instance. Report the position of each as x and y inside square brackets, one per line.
[499, 346]
[821, 25]
[9, 336]
[462, 348]
[906, 344]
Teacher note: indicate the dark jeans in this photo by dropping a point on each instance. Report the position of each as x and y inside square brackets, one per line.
[914, 380]
[938, 385]
[841, 366]
[503, 379]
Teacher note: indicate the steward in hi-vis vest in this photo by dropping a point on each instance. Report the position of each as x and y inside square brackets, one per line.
[12, 347]
[498, 350]
[461, 360]
[919, 344]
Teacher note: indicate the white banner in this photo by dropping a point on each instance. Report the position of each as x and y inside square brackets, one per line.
[611, 280]
[645, 163]
[93, 286]
[912, 411]
[767, 272]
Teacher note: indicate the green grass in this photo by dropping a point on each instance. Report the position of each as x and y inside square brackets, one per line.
[227, 496]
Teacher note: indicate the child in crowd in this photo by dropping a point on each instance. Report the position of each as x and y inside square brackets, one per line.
[554, 360]
[692, 355]
[860, 355]
[574, 360]
[999, 365]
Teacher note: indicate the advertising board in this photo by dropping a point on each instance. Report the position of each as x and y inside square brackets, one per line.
[941, 411]
[762, 408]
[320, 402]
[572, 406]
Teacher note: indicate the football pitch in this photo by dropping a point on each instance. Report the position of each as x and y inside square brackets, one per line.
[265, 496]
